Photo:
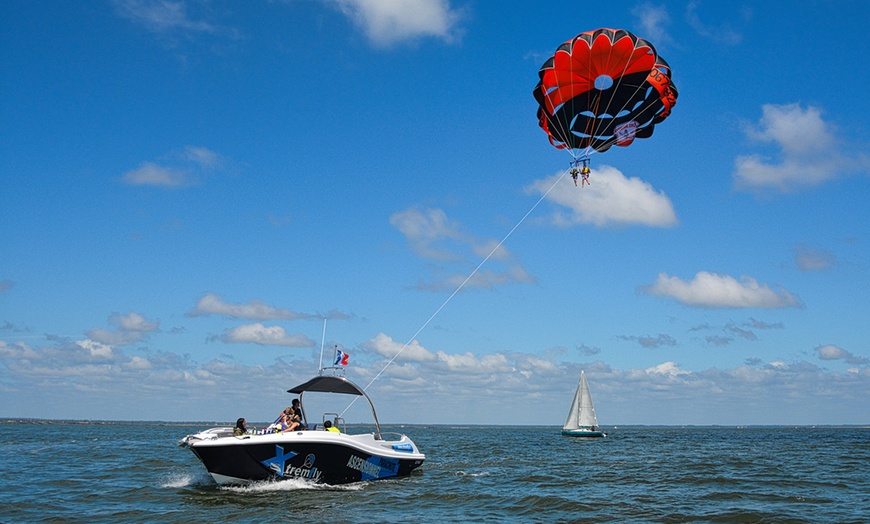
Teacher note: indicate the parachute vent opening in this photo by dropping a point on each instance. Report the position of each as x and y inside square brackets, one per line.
[603, 82]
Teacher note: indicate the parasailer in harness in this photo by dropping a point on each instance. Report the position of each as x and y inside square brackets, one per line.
[582, 171]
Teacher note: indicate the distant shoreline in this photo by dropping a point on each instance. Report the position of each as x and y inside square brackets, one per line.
[37, 421]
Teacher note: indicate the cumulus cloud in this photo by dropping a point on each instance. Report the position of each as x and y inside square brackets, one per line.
[612, 199]
[129, 329]
[386, 23]
[96, 349]
[385, 346]
[711, 290]
[212, 304]
[809, 151]
[431, 235]
[464, 363]
[832, 352]
[670, 369]
[133, 322]
[86, 379]
[265, 336]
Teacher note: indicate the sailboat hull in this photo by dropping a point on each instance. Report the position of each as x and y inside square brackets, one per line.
[582, 433]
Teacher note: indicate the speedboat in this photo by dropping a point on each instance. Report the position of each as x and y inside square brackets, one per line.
[314, 454]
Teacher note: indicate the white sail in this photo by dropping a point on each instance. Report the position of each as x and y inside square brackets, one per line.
[582, 413]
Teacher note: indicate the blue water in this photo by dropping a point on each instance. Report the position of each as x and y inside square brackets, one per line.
[137, 473]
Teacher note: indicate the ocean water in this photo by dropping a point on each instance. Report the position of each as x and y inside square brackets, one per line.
[137, 473]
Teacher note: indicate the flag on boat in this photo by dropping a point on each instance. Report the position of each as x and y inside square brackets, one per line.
[341, 358]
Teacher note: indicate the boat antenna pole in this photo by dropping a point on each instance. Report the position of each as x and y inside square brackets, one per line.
[322, 340]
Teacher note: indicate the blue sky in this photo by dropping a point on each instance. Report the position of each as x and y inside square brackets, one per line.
[189, 188]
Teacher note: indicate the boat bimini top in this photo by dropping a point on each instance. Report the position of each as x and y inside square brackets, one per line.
[335, 384]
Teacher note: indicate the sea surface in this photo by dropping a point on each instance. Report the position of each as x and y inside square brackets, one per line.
[121, 472]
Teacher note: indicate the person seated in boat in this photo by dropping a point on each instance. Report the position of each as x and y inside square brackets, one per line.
[286, 420]
[241, 428]
[297, 413]
[329, 427]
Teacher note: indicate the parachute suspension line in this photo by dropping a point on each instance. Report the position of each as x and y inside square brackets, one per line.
[628, 100]
[459, 287]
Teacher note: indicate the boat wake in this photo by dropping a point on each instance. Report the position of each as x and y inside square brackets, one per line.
[269, 486]
[184, 480]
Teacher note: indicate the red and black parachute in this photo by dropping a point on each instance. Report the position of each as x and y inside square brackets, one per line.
[601, 88]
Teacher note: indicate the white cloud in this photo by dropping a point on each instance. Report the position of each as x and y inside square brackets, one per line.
[265, 336]
[809, 151]
[439, 360]
[131, 328]
[611, 199]
[431, 235]
[388, 22]
[712, 290]
[670, 369]
[133, 322]
[832, 352]
[138, 363]
[212, 304]
[96, 349]
[385, 346]
[89, 380]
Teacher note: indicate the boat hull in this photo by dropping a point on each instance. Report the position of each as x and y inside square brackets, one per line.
[316, 456]
[583, 433]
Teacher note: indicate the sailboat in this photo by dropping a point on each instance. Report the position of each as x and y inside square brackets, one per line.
[581, 418]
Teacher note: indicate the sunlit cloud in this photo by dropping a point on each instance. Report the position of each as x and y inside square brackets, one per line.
[611, 199]
[832, 352]
[133, 322]
[711, 290]
[264, 336]
[670, 369]
[212, 304]
[464, 387]
[387, 23]
[809, 151]
[129, 329]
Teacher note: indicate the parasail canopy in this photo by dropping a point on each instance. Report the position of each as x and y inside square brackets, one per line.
[601, 88]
